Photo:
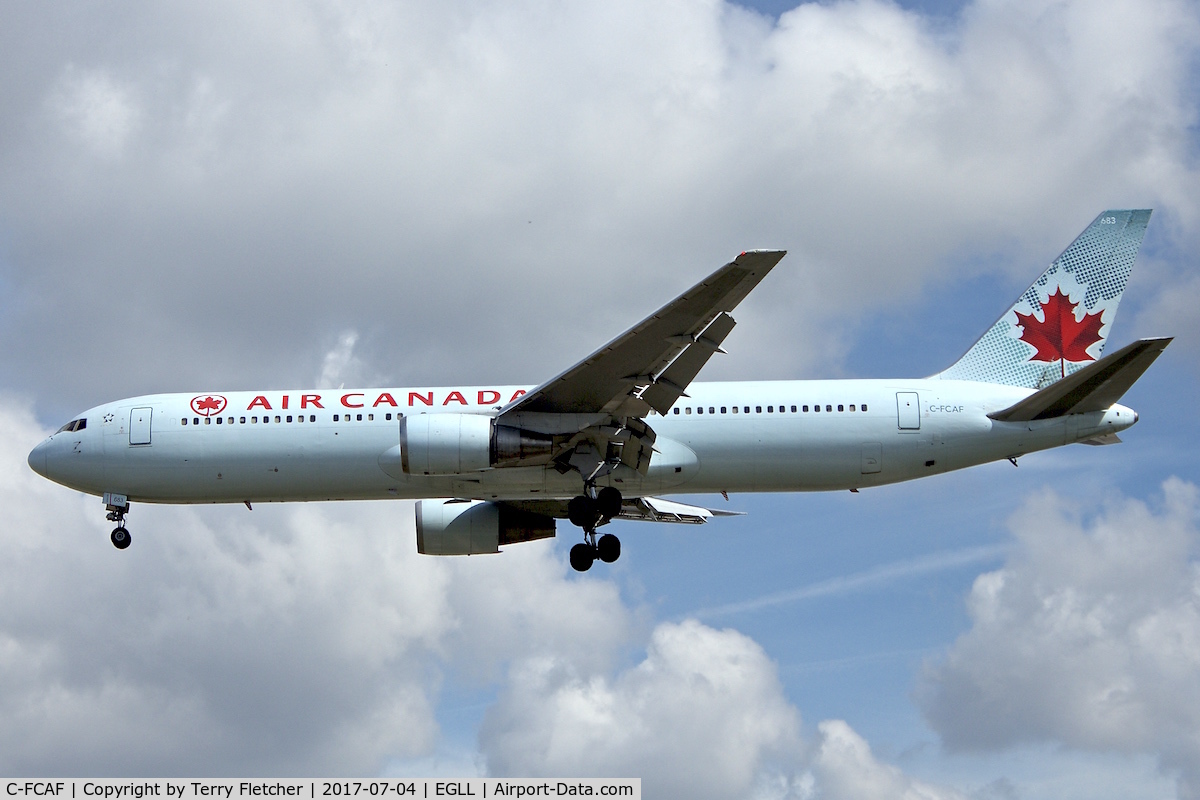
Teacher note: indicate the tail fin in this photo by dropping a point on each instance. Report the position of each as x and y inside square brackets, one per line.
[1061, 322]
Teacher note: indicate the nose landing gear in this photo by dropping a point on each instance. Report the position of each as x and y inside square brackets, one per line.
[588, 511]
[118, 507]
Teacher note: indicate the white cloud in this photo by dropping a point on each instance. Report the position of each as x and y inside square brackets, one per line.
[340, 363]
[846, 768]
[700, 716]
[1089, 636]
[97, 109]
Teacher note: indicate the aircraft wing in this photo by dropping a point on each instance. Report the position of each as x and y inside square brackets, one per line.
[651, 364]
[1093, 388]
[644, 509]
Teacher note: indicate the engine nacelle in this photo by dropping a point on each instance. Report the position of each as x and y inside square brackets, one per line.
[451, 444]
[445, 444]
[468, 528]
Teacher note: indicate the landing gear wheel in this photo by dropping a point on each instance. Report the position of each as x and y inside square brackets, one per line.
[608, 549]
[582, 556]
[120, 537]
[581, 511]
[608, 502]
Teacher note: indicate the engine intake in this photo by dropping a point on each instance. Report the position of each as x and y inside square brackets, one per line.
[475, 527]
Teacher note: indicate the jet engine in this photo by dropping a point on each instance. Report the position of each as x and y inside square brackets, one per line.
[474, 527]
[451, 444]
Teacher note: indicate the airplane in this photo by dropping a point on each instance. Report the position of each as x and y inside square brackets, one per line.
[492, 466]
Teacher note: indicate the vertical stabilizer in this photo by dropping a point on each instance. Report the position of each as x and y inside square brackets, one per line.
[1061, 322]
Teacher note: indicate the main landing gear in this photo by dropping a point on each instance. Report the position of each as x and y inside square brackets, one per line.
[588, 511]
[118, 507]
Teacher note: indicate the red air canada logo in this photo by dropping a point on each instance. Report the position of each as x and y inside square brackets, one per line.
[1058, 336]
[207, 405]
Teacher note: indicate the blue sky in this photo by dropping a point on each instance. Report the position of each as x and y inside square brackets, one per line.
[235, 197]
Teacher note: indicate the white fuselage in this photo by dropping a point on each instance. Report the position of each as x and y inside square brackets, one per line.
[753, 436]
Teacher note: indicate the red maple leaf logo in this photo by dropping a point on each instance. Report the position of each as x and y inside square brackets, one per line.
[1059, 336]
[208, 405]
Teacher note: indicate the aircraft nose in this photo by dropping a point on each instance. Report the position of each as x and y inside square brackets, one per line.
[37, 458]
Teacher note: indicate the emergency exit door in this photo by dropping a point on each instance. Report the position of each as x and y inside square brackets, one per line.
[908, 411]
[139, 425]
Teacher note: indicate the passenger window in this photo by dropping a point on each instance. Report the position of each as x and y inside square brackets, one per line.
[183, 421]
[793, 409]
[208, 420]
[220, 420]
[687, 410]
[359, 417]
[722, 409]
[389, 416]
[370, 417]
[289, 416]
[711, 410]
[852, 406]
[841, 407]
[864, 406]
[770, 409]
[804, 409]
[735, 409]
[312, 417]
[746, 409]
[677, 411]
[241, 420]
[758, 409]
[816, 409]
[699, 409]
[828, 407]
[253, 420]
[335, 418]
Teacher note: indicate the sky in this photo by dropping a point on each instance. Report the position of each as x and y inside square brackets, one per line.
[229, 196]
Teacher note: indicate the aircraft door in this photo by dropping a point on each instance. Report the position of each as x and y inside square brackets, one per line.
[139, 425]
[908, 411]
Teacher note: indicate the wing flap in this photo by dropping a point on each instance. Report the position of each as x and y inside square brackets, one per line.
[670, 384]
[640, 509]
[1092, 388]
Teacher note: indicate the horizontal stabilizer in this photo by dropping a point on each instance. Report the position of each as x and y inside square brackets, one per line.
[1092, 388]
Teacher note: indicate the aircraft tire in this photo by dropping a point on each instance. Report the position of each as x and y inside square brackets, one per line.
[581, 511]
[582, 556]
[608, 549]
[608, 502]
[120, 537]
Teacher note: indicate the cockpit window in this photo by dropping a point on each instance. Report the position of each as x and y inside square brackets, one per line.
[73, 425]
